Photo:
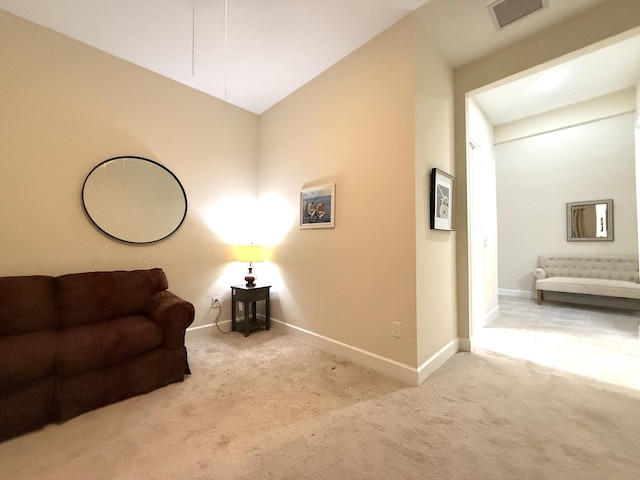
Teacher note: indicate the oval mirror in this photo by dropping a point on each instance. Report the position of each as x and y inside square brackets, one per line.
[134, 199]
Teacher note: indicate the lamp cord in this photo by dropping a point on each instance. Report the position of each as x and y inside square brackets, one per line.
[216, 321]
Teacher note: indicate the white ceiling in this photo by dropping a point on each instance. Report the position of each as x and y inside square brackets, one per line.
[272, 47]
[610, 68]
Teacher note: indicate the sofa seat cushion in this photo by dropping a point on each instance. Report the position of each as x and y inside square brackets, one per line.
[590, 286]
[94, 346]
[27, 357]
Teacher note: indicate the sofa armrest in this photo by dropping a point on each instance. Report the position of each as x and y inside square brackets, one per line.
[173, 315]
[540, 273]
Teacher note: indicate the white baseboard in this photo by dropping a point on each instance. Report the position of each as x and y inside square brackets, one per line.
[492, 314]
[487, 318]
[386, 366]
[429, 367]
[207, 330]
[381, 364]
[516, 293]
[210, 328]
[465, 344]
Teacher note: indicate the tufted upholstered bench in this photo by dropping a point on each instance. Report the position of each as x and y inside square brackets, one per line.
[610, 276]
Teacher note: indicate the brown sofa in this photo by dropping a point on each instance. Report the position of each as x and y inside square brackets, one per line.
[73, 343]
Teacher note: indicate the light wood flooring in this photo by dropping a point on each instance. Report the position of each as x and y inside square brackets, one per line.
[602, 344]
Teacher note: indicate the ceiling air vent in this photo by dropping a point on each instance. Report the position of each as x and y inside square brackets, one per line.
[505, 12]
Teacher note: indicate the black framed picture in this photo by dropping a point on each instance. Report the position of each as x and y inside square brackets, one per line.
[442, 200]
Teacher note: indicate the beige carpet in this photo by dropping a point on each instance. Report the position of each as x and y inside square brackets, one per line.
[271, 407]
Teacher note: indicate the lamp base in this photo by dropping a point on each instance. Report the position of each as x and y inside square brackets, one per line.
[250, 278]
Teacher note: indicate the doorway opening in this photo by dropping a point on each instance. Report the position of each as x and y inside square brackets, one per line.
[597, 343]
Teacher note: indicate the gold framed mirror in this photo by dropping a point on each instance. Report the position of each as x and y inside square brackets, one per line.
[590, 221]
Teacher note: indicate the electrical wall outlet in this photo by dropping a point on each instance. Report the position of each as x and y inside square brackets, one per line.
[396, 329]
[215, 302]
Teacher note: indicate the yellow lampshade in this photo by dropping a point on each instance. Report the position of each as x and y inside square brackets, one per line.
[250, 253]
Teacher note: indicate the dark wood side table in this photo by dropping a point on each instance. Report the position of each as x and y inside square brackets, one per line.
[249, 296]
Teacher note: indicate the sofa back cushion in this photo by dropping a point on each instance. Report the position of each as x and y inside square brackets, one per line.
[610, 267]
[87, 298]
[27, 304]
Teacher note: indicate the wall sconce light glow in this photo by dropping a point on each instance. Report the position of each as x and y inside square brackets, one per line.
[233, 220]
[549, 80]
[242, 220]
[276, 220]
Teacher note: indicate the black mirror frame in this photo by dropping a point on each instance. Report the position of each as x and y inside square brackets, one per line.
[130, 242]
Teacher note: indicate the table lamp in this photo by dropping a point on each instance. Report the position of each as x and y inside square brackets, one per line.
[250, 253]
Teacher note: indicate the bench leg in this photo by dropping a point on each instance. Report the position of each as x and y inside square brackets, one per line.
[539, 297]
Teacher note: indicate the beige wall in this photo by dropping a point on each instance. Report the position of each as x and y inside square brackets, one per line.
[578, 32]
[64, 108]
[435, 250]
[374, 124]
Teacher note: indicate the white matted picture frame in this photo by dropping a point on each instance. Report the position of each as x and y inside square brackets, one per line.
[442, 200]
[318, 206]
